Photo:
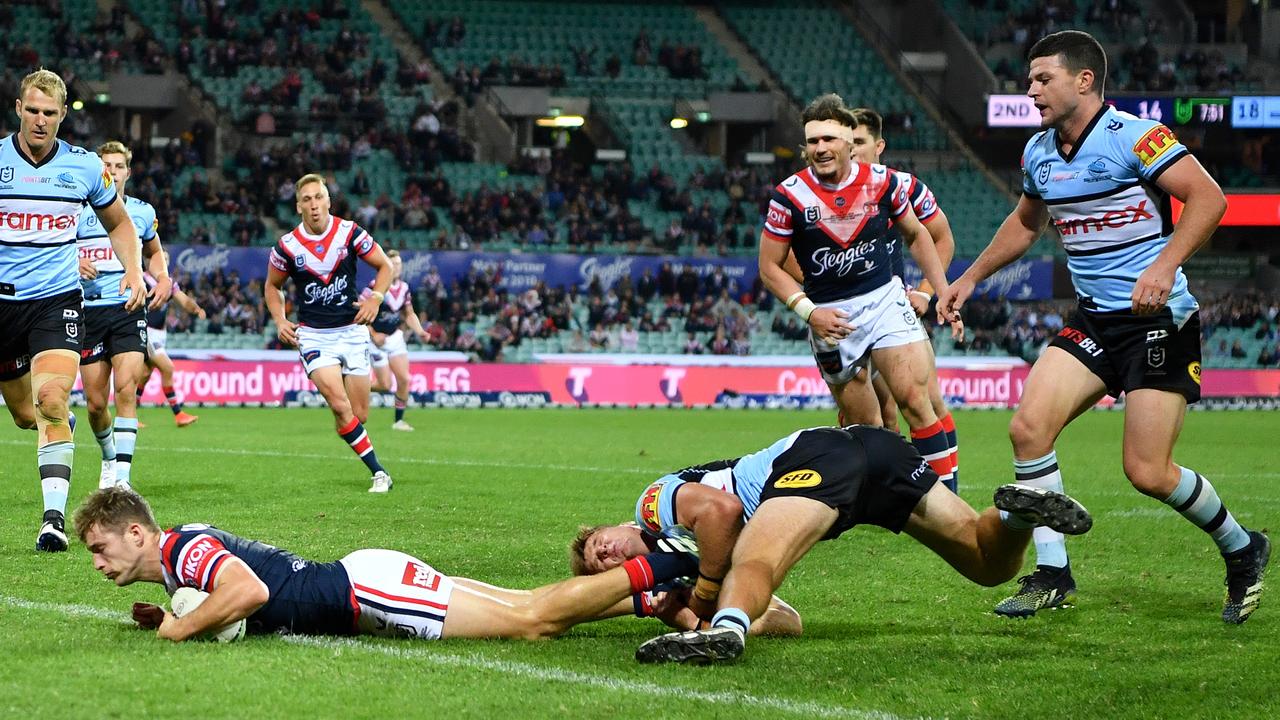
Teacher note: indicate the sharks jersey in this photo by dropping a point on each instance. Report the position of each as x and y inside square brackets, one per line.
[840, 234]
[323, 268]
[926, 208]
[388, 320]
[305, 597]
[93, 244]
[40, 207]
[1103, 199]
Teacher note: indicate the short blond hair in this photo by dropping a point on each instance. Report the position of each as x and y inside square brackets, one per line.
[115, 147]
[307, 180]
[47, 82]
[578, 548]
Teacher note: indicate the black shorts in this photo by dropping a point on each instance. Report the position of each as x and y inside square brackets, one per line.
[869, 475]
[111, 330]
[29, 327]
[1136, 352]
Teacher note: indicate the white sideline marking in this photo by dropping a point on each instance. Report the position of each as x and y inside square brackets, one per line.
[505, 667]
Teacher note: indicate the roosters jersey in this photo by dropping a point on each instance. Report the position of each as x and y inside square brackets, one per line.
[1103, 200]
[323, 269]
[39, 210]
[840, 234]
[388, 320]
[926, 208]
[93, 243]
[305, 597]
[156, 318]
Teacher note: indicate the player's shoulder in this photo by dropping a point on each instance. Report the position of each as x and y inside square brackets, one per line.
[1038, 142]
[793, 180]
[653, 509]
[79, 157]
[139, 205]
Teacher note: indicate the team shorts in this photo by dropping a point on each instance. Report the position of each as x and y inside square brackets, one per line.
[881, 318]
[1135, 352]
[392, 346]
[29, 327]
[157, 339]
[398, 594]
[869, 475]
[111, 330]
[346, 346]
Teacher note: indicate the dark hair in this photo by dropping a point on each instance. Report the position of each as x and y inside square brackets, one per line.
[114, 509]
[829, 107]
[1079, 51]
[871, 120]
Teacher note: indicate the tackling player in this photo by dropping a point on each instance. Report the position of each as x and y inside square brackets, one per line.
[387, 350]
[320, 256]
[371, 592]
[755, 516]
[1104, 179]
[115, 339]
[836, 216]
[157, 355]
[44, 182]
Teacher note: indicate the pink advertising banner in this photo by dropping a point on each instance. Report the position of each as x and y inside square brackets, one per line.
[222, 381]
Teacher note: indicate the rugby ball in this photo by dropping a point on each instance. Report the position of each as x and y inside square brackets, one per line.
[186, 599]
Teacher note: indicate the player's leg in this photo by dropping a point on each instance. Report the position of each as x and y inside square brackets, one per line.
[95, 376]
[782, 530]
[888, 406]
[126, 366]
[1059, 388]
[855, 401]
[357, 387]
[17, 398]
[1152, 423]
[159, 357]
[53, 373]
[943, 413]
[400, 369]
[907, 370]
[329, 381]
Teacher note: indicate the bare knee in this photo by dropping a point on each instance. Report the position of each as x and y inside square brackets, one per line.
[51, 401]
[1156, 479]
[23, 419]
[1029, 437]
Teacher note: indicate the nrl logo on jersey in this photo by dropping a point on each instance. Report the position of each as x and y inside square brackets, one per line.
[812, 214]
[6, 174]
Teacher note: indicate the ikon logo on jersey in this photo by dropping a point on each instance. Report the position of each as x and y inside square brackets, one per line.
[420, 576]
[1112, 219]
[799, 479]
[1154, 144]
[195, 557]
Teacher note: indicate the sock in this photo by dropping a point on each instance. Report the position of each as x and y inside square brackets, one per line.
[172, 397]
[931, 441]
[949, 426]
[106, 441]
[732, 618]
[359, 441]
[1042, 472]
[647, 571]
[54, 460]
[126, 440]
[1196, 500]
[399, 409]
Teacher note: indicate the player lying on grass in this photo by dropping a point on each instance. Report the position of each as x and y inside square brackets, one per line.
[754, 517]
[373, 592]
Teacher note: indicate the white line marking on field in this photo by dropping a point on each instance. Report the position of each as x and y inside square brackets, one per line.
[474, 661]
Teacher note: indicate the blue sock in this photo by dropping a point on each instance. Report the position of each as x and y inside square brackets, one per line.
[126, 440]
[1196, 500]
[1041, 472]
[732, 618]
[54, 460]
[107, 441]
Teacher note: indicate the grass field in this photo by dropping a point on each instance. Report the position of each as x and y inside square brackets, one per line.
[890, 631]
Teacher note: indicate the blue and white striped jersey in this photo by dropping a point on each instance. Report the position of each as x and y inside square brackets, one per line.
[93, 243]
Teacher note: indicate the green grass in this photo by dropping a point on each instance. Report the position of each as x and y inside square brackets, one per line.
[890, 631]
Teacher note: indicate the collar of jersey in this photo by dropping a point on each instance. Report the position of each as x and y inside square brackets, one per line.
[853, 175]
[17, 148]
[1088, 129]
[325, 238]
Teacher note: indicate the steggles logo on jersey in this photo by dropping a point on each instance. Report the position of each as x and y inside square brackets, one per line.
[842, 262]
[326, 294]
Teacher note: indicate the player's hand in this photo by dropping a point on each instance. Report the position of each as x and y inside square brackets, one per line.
[378, 338]
[957, 327]
[830, 324]
[148, 616]
[368, 310]
[287, 332]
[424, 337]
[87, 270]
[168, 629]
[1151, 291]
[953, 297]
[133, 283]
[200, 312]
[919, 300]
[160, 293]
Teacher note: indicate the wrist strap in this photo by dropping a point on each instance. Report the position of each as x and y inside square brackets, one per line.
[804, 308]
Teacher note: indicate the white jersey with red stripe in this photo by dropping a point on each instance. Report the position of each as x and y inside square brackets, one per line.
[323, 269]
[840, 234]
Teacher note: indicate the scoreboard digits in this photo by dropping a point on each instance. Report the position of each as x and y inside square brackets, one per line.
[1242, 111]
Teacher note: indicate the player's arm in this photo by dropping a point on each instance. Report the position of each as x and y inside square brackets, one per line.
[273, 295]
[411, 318]
[925, 254]
[1204, 207]
[378, 260]
[188, 303]
[715, 518]
[1016, 235]
[237, 594]
[154, 256]
[828, 323]
[944, 242]
[125, 243]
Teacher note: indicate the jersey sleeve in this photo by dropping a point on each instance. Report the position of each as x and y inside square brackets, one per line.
[151, 227]
[1153, 148]
[779, 222]
[922, 200]
[278, 259]
[362, 242]
[656, 508]
[1028, 187]
[194, 558]
[899, 196]
[101, 188]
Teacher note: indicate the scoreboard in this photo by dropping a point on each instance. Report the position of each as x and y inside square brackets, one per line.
[1245, 112]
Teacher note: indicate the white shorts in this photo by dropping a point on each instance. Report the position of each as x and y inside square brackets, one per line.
[881, 318]
[156, 339]
[399, 595]
[392, 346]
[347, 346]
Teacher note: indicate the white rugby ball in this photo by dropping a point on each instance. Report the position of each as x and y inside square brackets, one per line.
[186, 599]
